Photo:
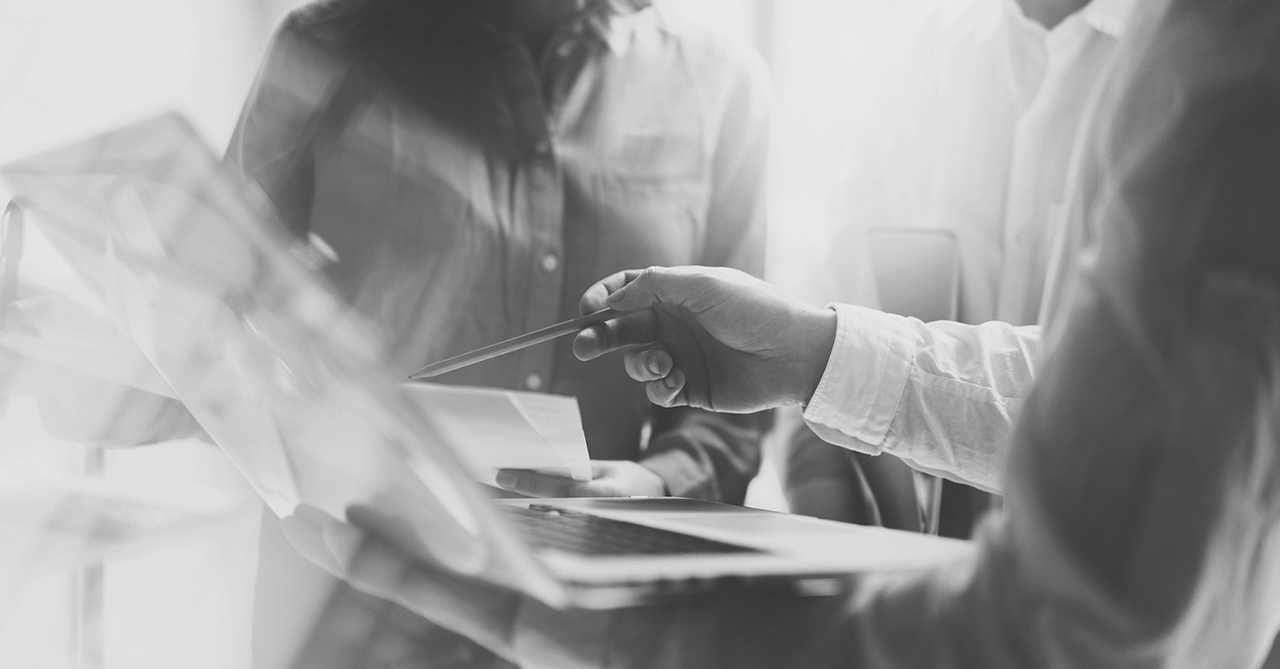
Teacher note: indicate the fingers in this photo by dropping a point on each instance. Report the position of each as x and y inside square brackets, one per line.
[639, 327]
[668, 391]
[596, 297]
[535, 484]
[634, 290]
[664, 384]
[644, 290]
[649, 364]
[694, 288]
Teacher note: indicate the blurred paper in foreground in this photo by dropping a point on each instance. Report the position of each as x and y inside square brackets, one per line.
[508, 429]
[284, 378]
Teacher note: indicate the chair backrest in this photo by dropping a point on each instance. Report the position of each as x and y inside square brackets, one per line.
[917, 271]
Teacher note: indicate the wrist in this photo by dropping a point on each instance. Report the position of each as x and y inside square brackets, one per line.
[668, 457]
[819, 328]
[654, 482]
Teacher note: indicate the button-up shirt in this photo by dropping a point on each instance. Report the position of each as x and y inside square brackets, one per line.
[1069, 59]
[472, 190]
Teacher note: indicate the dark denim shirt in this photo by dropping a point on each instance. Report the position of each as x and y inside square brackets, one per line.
[472, 190]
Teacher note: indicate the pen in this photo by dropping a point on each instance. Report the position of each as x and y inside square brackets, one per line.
[514, 344]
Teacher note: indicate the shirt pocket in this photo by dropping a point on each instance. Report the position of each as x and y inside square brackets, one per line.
[651, 200]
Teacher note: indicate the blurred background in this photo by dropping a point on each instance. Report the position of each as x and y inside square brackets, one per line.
[69, 68]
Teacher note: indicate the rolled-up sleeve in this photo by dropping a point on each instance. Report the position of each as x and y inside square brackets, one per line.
[942, 396]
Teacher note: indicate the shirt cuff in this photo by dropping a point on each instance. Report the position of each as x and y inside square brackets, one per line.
[865, 377]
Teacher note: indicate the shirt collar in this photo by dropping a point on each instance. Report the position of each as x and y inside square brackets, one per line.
[607, 21]
[1110, 17]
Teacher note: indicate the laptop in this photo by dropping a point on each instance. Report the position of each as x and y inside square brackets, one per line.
[293, 387]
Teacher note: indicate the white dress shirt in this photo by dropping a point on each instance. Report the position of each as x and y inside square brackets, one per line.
[1074, 55]
[943, 395]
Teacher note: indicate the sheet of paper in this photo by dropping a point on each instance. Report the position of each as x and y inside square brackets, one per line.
[49, 340]
[288, 381]
[506, 429]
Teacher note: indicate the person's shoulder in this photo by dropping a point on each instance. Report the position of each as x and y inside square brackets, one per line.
[316, 45]
[335, 23]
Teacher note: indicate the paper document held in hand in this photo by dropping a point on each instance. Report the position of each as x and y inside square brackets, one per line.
[506, 429]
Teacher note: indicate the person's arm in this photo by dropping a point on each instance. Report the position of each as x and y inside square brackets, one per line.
[698, 453]
[941, 396]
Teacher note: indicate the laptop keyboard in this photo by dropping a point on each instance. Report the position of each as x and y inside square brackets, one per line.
[546, 526]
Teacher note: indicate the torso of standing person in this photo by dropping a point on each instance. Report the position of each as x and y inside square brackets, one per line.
[1070, 62]
[472, 189]
[979, 129]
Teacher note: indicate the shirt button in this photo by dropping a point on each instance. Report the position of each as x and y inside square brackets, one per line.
[533, 381]
[549, 263]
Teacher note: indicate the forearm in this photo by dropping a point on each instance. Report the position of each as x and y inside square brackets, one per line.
[941, 396]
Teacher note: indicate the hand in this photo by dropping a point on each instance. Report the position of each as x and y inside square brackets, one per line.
[710, 337]
[609, 478]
